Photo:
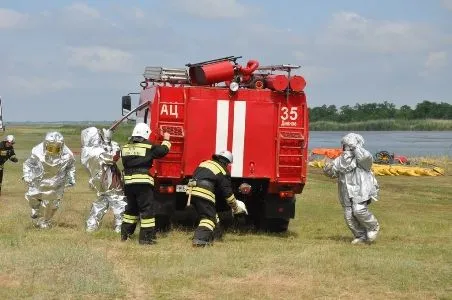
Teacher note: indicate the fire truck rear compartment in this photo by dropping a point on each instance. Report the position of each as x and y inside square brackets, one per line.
[267, 211]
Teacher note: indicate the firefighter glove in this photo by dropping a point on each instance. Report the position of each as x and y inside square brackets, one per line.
[166, 136]
[14, 159]
[70, 182]
[26, 180]
[240, 208]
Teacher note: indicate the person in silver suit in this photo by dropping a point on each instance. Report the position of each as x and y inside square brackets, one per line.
[99, 156]
[47, 172]
[357, 187]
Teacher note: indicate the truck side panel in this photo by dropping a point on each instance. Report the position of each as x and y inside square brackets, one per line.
[168, 113]
[260, 144]
[201, 131]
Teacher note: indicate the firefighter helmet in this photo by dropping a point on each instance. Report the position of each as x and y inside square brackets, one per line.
[10, 139]
[53, 143]
[224, 154]
[141, 130]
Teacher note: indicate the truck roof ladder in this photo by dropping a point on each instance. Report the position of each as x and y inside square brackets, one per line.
[161, 74]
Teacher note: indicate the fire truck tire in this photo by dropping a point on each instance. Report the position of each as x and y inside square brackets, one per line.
[162, 223]
[276, 225]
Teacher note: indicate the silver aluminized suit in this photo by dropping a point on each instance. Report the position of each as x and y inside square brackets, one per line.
[47, 172]
[99, 155]
[357, 187]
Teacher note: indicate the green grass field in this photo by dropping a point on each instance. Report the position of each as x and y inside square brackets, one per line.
[412, 258]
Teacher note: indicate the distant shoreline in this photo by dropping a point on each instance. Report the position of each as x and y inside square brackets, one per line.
[384, 125]
[370, 125]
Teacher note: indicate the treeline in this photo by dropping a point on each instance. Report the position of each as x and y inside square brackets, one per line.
[381, 111]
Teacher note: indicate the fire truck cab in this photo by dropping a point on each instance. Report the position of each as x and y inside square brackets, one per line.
[259, 113]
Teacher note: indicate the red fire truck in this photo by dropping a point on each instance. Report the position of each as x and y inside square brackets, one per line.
[259, 113]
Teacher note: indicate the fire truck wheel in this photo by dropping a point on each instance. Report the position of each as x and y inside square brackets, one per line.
[162, 223]
[276, 225]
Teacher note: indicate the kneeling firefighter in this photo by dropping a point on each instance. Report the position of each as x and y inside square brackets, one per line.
[212, 177]
[137, 158]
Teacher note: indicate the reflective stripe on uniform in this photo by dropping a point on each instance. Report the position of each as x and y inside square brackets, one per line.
[213, 166]
[138, 178]
[141, 145]
[147, 223]
[129, 219]
[167, 144]
[203, 193]
[230, 198]
[207, 224]
[218, 166]
[137, 149]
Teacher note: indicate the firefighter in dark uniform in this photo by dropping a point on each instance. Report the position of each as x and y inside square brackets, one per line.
[212, 177]
[137, 158]
[6, 152]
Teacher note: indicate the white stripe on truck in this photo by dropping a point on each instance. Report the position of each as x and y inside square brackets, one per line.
[238, 138]
[221, 142]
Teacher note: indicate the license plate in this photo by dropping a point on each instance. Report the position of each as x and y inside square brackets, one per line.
[181, 188]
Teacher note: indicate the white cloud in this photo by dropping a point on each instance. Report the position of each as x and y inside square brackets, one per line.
[100, 59]
[350, 30]
[435, 62]
[83, 9]
[315, 74]
[139, 13]
[447, 4]
[211, 9]
[299, 55]
[11, 19]
[36, 85]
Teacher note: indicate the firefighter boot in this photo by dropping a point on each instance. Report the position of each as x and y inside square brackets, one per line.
[127, 229]
[218, 232]
[147, 236]
[203, 237]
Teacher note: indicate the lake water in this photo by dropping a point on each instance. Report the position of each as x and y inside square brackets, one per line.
[409, 143]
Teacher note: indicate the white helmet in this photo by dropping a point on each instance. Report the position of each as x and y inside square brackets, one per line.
[141, 130]
[10, 139]
[225, 154]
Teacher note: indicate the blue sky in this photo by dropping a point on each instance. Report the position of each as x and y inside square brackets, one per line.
[71, 61]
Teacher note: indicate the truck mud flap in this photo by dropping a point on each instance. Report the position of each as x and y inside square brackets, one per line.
[276, 208]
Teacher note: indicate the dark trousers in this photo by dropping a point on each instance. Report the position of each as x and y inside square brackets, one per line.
[208, 227]
[1, 177]
[140, 207]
